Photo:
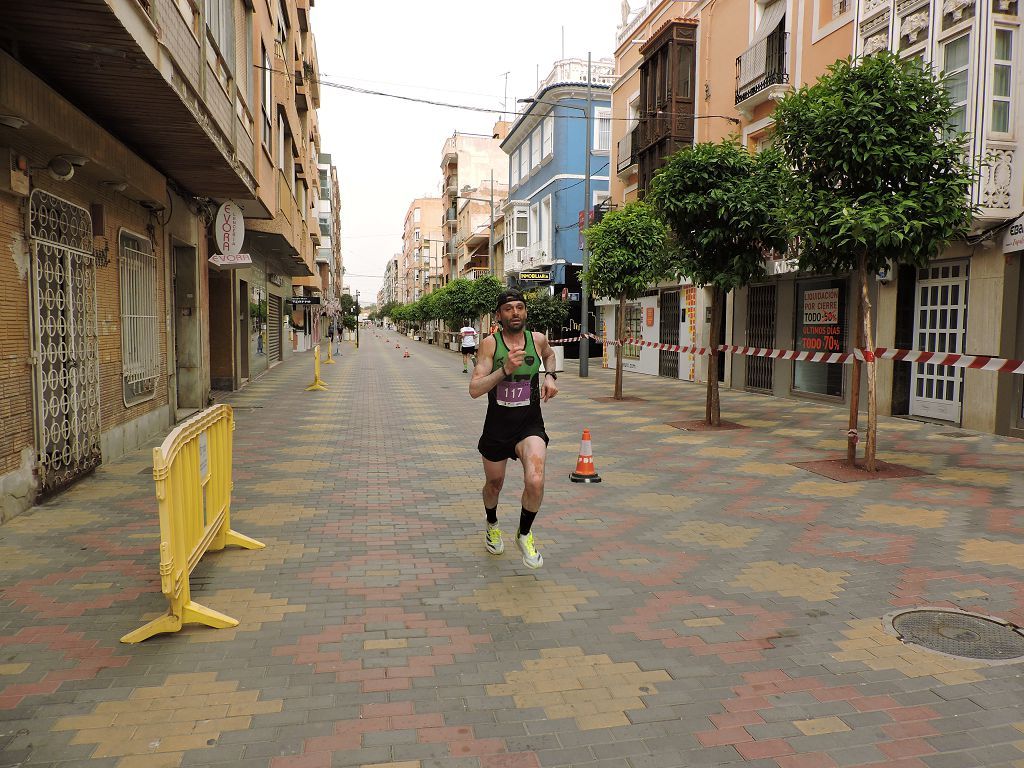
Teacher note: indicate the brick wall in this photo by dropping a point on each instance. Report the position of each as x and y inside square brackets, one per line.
[16, 394]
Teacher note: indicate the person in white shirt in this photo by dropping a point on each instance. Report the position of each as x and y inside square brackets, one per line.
[469, 338]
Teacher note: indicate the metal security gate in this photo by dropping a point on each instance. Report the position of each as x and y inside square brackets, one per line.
[760, 333]
[65, 340]
[940, 325]
[274, 328]
[668, 362]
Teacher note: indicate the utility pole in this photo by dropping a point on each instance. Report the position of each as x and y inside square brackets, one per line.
[490, 238]
[356, 308]
[584, 293]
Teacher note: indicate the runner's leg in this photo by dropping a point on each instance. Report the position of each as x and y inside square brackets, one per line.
[494, 479]
[532, 452]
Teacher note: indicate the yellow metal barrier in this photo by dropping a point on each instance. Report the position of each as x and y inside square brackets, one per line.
[318, 383]
[192, 470]
[330, 358]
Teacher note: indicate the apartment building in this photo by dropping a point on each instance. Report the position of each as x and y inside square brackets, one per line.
[469, 161]
[968, 299]
[420, 263]
[547, 150]
[388, 292]
[702, 71]
[477, 213]
[125, 128]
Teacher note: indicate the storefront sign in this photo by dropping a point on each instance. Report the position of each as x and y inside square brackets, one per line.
[229, 229]
[231, 261]
[1013, 240]
[304, 301]
[820, 329]
[536, 276]
[650, 317]
[821, 306]
[275, 279]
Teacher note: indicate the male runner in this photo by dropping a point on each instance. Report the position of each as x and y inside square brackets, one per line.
[468, 333]
[507, 369]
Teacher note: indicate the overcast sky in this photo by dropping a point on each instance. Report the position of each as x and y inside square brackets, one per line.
[457, 51]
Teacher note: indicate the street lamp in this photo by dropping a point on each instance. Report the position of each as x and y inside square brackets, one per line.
[356, 308]
[584, 293]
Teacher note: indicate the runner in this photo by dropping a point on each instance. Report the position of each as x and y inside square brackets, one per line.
[468, 333]
[507, 371]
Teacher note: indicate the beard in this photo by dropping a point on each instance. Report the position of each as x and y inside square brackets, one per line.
[514, 324]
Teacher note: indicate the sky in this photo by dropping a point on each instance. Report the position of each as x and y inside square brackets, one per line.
[457, 51]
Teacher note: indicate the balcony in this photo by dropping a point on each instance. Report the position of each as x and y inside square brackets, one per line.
[626, 153]
[762, 72]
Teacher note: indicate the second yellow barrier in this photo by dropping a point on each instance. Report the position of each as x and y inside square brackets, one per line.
[192, 471]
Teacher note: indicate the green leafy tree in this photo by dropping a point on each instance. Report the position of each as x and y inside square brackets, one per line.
[722, 205]
[456, 303]
[545, 312]
[627, 256]
[486, 290]
[880, 179]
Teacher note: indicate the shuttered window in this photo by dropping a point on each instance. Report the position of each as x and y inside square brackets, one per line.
[140, 334]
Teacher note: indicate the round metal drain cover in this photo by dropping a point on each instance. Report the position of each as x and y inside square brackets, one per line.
[960, 634]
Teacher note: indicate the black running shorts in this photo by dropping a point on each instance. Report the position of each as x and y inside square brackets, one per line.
[469, 350]
[494, 448]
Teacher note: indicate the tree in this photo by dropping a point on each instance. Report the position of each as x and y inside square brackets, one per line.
[627, 256]
[545, 312]
[456, 303]
[486, 291]
[722, 205]
[881, 179]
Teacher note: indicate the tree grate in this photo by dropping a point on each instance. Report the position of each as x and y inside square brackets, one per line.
[960, 634]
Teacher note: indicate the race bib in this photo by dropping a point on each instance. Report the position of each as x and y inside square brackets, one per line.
[513, 394]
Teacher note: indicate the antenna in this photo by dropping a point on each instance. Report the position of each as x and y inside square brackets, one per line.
[563, 41]
[504, 99]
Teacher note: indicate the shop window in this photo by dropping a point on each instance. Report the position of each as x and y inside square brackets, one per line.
[820, 327]
[634, 330]
[140, 331]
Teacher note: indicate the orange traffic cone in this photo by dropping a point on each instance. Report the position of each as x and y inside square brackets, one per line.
[407, 354]
[398, 346]
[585, 471]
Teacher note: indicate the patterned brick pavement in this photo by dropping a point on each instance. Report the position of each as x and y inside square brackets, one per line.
[708, 604]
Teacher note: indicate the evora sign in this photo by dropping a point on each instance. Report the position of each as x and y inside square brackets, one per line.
[1013, 240]
[229, 229]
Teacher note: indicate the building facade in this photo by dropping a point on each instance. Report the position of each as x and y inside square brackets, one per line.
[547, 161]
[116, 324]
[420, 264]
[468, 162]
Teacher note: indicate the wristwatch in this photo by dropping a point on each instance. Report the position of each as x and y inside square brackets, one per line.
[552, 374]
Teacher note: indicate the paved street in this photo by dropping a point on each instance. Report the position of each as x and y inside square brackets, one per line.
[707, 604]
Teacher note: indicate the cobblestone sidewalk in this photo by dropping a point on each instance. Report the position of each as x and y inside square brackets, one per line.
[708, 604]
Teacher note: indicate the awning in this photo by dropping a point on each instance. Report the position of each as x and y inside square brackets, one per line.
[754, 61]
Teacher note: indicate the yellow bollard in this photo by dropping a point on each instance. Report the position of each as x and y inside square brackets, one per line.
[330, 358]
[192, 472]
[318, 383]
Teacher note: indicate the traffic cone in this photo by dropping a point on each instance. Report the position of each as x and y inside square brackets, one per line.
[585, 470]
[407, 354]
[398, 346]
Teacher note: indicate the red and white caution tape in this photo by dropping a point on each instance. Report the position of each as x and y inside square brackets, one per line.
[977, 362]
[790, 354]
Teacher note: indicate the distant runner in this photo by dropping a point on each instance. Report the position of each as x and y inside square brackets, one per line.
[469, 338]
[507, 371]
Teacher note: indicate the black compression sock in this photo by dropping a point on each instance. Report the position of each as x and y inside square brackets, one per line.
[526, 518]
[492, 515]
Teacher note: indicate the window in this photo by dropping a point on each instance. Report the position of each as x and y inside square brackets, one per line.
[325, 225]
[282, 143]
[633, 330]
[684, 72]
[549, 136]
[535, 151]
[416, 213]
[603, 130]
[282, 29]
[325, 185]
[514, 168]
[524, 161]
[534, 223]
[545, 223]
[140, 332]
[820, 327]
[220, 22]
[249, 68]
[522, 228]
[956, 54]
[416, 233]
[265, 98]
[1002, 70]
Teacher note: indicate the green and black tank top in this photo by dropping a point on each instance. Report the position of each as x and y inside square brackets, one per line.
[515, 401]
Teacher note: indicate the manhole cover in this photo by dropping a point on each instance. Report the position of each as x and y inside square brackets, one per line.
[960, 634]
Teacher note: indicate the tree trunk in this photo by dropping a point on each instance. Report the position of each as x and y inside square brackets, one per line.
[620, 334]
[871, 445]
[712, 408]
[858, 343]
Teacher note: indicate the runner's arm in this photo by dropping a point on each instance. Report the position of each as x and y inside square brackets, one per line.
[545, 350]
[483, 379]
